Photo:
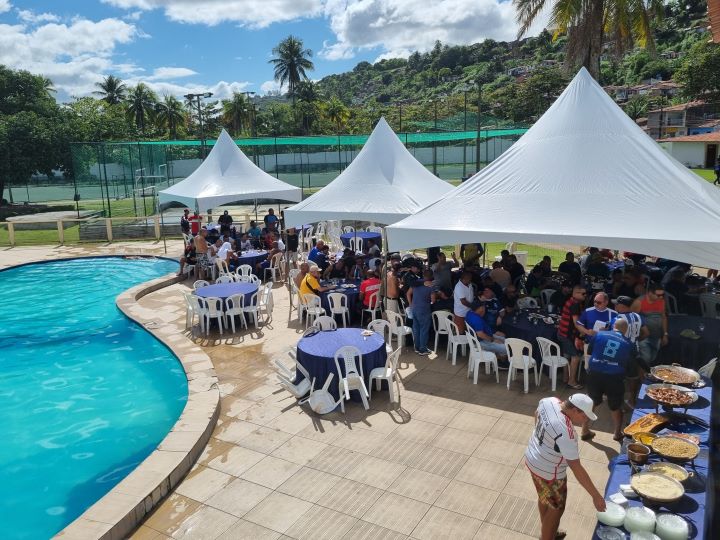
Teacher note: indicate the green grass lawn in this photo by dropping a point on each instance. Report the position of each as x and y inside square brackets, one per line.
[706, 174]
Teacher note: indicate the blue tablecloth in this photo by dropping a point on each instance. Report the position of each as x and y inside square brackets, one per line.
[521, 327]
[252, 258]
[376, 237]
[224, 290]
[317, 354]
[691, 353]
[352, 296]
[697, 490]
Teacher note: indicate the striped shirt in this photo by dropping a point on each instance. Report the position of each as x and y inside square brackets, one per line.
[634, 321]
[553, 442]
[566, 328]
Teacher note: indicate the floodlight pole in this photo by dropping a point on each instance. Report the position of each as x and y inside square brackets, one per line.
[434, 146]
[477, 139]
[252, 122]
[464, 139]
[196, 98]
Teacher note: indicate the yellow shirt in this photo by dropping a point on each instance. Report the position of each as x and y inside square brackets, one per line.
[308, 284]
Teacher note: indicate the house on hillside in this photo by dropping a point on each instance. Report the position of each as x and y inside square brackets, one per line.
[696, 151]
[680, 120]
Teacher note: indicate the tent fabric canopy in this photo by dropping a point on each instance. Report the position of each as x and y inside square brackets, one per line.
[383, 184]
[227, 175]
[584, 174]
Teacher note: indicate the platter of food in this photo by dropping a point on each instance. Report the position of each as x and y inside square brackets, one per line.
[672, 395]
[675, 375]
[646, 423]
[657, 487]
[672, 470]
[675, 448]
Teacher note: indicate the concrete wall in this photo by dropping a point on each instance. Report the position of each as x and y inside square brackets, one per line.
[691, 154]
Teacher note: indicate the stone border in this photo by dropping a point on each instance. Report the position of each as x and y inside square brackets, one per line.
[124, 507]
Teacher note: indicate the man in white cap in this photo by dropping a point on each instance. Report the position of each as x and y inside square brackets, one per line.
[553, 447]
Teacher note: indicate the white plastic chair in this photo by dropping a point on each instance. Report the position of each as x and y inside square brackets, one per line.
[374, 308]
[267, 302]
[356, 244]
[353, 379]
[200, 283]
[225, 278]
[325, 323]
[192, 308]
[438, 319]
[455, 340]
[275, 268]
[479, 356]
[187, 270]
[545, 296]
[386, 373]
[552, 358]
[374, 228]
[321, 401]
[312, 308]
[211, 307]
[527, 302]
[286, 377]
[307, 239]
[382, 327]
[339, 306]
[244, 270]
[348, 229]
[222, 267]
[520, 356]
[397, 328]
[252, 278]
[251, 307]
[234, 307]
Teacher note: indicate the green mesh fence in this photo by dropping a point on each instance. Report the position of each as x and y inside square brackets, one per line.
[117, 179]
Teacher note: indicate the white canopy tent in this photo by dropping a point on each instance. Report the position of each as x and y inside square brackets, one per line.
[584, 174]
[227, 175]
[383, 184]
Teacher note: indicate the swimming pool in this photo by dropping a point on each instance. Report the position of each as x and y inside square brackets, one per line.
[85, 393]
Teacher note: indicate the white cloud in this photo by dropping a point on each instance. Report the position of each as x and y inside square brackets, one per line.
[272, 87]
[252, 13]
[29, 16]
[5, 6]
[220, 90]
[166, 73]
[73, 56]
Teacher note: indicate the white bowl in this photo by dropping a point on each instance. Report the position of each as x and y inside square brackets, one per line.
[614, 515]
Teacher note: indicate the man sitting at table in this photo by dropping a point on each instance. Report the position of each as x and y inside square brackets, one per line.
[369, 287]
[315, 251]
[571, 268]
[492, 307]
[311, 283]
[510, 294]
[506, 313]
[357, 270]
[245, 243]
[558, 298]
[262, 265]
[464, 296]
[255, 233]
[500, 276]
[336, 271]
[535, 281]
[304, 269]
[515, 268]
[323, 258]
[597, 267]
[371, 248]
[610, 355]
[489, 340]
[189, 256]
[486, 282]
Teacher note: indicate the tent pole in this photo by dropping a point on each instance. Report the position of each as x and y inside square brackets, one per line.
[256, 212]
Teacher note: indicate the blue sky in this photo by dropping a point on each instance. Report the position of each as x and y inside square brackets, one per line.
[176, 46]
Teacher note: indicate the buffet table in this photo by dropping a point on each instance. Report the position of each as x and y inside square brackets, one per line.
[698, 489]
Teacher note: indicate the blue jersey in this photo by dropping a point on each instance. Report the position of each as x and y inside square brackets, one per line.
[634, 321]
[477, 323]
[610, 353]
[592, 319]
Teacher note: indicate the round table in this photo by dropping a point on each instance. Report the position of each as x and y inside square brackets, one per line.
[251, 258]
[691, 353]
[365, 235]
[317, 355]
[522, 327]
[351, 293]
[225, 290]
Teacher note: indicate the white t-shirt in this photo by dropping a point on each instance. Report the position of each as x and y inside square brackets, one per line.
[462, 291]
[553, 442]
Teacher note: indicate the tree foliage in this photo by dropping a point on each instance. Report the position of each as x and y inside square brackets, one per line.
[700, 72]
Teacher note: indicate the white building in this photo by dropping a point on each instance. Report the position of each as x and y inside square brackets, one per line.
[695, 151]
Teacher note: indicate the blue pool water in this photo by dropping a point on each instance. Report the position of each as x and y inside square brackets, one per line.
[85, 394]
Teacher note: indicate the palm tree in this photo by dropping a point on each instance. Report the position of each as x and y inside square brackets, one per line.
[337, 113]
[291, 62]
[588, 23]
[112, 90]
[236, 113]
[308, 104]
[170, 114]
[141, 105]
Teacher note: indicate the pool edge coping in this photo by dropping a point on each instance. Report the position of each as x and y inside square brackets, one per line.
[123, 508]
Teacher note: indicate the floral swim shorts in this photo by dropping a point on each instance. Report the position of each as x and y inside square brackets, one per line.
[551, 493]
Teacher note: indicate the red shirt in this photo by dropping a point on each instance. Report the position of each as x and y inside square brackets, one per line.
[369, 287]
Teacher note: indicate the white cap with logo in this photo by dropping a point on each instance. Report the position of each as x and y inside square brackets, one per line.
[584, 403]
